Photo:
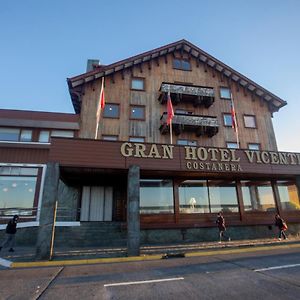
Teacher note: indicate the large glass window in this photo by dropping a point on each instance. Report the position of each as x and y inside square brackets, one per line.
[17, 191]
[223, 196]
[156, 196]
[258, 196]
[288, 194]
[193, 197]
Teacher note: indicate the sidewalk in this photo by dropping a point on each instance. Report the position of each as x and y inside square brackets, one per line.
[27, 254]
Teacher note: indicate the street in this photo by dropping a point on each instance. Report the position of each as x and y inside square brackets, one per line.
[264, 275]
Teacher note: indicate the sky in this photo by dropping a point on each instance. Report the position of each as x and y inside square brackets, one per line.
[42, 43]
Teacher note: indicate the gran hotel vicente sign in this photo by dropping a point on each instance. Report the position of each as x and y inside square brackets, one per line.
[210, 159]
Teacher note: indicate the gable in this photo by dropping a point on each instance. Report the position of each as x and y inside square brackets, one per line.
[186, 49]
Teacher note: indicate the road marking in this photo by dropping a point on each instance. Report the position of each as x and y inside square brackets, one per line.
[145, 281]
[277, 268]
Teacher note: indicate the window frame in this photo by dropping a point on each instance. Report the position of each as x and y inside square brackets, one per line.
[188, 142]
[138, 78]
[110, 135]
[139, 106]
[181, 67]
[258, 144]
[111, 117]
[220, 93]
[254, 118]
[227, 114]
[136, 137]
[232, 143]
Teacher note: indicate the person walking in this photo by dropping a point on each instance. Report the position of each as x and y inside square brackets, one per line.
[10, 231]
[221, 226]
[280, 223]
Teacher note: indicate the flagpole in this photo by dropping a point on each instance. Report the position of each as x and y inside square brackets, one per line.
[236, 125]
[171, 135]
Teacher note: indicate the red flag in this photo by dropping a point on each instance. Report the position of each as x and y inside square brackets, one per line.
[170, 111]
[102, 97]
[233, 117]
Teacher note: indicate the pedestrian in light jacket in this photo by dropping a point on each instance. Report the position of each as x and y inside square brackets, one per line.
[10, 233]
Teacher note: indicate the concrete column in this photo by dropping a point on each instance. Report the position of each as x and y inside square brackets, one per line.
[133, 211]
[47, 211]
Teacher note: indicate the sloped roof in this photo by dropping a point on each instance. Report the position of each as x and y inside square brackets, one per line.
[275, 102]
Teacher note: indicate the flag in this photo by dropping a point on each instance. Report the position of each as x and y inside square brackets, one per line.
[170, 111]
[233, 117]
[102, 96]
[100, 106]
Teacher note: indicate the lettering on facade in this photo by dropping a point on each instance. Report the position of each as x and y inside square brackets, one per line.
[210, 159]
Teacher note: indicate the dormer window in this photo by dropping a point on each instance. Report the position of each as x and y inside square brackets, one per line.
[181, 64]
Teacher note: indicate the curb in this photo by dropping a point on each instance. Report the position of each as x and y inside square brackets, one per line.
[141, 258]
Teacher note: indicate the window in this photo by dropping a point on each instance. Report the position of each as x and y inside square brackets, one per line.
[44, 136]
[186, 142]
[181, 64]
[109, 137]
[137, 139]
[156, 196]
[288, 193]
[223, 196]
[258, 196]
[18, 191]
[250, 121]
[193, 197]
[231, 145]
[62, 133]
[138, 84]
[137, 112]
[15, 135]
[225, 93]
[253, 146]
[227, 118]
[111, 110]
[26, 135]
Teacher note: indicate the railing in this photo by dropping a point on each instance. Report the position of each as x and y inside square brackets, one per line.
[187, 93]
[201, 125]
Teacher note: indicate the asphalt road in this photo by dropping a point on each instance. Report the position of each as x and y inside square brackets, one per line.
[257, 275]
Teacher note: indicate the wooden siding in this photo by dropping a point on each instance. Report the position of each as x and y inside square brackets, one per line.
[23, 155]
[117, 90]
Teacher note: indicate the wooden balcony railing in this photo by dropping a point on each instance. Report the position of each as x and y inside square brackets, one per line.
[201, 125]
[187, 93]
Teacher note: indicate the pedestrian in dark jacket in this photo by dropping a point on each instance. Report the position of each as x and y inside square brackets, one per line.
[221, 226]
[280, 223]
[10, 231]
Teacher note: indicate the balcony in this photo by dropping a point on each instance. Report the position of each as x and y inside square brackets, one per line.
[196, 95]
[200, 125]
